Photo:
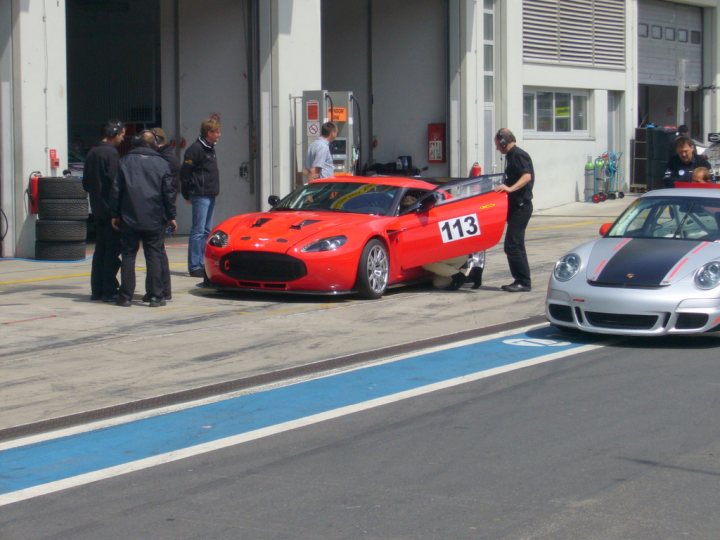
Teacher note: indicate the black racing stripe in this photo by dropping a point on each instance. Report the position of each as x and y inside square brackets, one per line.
[647, 260]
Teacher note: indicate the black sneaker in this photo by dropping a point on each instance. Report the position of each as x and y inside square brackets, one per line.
[123, 302]
[157, 302]
[198, 272]
[457, 281]
[476, 277]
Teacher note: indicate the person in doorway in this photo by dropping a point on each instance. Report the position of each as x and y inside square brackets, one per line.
[101, 166]
[142, 204]
[519, 181]
[318, 161]
[167, 151]
[200, 184]
[680, 167]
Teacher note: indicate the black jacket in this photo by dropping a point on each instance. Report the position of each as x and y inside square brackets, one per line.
[168, 152]
[517, 163]
[101, 166]
[677, 171]
[199, 174]
[142, 194]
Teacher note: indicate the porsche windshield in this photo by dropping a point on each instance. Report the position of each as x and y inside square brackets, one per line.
[671, 218]
[342, 197]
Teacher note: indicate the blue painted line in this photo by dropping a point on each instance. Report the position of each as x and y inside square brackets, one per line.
[69, 456]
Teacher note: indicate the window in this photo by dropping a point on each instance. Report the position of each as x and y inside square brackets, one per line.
[656, 31]
[563, 112]
[695, 37]
[643, 30]
[669, 34]
[682, 35]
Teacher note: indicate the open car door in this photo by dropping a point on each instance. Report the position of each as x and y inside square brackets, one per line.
[459, 217]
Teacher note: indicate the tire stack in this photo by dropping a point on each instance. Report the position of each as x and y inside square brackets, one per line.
[61, 228]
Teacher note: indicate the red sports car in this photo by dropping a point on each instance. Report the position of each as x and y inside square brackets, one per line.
[355, 234]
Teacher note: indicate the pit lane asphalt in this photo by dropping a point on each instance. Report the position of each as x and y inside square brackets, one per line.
[66, 360]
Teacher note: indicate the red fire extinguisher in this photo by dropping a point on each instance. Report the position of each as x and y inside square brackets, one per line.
[475, 170]
[33, 192]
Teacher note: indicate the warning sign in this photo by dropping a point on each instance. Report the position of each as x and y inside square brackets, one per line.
[312, 110]
[338, 114]
[313, 129]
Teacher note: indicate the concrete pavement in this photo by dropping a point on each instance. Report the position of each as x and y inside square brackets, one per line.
[61, 354]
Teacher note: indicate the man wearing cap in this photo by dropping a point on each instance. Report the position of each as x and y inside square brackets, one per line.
[101, 166]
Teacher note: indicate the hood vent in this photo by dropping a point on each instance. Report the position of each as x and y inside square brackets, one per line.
[303, 223]
[260, 222]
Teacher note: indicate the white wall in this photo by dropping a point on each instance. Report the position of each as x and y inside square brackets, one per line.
[39, 94]
[7, 178]
[559, 162]
[212, 81]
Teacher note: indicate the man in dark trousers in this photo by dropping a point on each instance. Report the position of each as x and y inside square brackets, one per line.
[680, 167]
[142, 204]
[101, 166]
[200, 184]
[519, 180]
[168, 152]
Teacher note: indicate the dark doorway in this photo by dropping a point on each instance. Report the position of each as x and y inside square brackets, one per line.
[113, 69]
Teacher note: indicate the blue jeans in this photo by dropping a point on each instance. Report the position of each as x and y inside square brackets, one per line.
[202, 213]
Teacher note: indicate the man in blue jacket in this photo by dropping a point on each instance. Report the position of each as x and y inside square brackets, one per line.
[142, 204]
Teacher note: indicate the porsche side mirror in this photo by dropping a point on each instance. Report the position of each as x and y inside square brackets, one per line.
[273, 200]
[604, 228]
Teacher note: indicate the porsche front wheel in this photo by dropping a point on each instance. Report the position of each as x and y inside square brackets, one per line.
[373, 270]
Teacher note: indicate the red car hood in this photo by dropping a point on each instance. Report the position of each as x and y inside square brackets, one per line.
[279, 231]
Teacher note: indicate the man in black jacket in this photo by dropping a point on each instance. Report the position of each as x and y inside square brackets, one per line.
[681, 166]
[101, 166]
[200, 184]
[142, 203]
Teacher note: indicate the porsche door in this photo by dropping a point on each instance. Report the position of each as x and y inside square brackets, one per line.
[467, 216]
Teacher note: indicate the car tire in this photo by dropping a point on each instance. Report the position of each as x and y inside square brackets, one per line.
[373, 270]
[60, 231]
[62, 187]
[59, 251]
[63, 209]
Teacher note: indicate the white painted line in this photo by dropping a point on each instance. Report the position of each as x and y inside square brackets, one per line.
[53, 487]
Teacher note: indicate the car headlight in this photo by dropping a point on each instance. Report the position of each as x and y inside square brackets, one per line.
[218, 239]
[325, 244]
[708, 277]
[567, 267]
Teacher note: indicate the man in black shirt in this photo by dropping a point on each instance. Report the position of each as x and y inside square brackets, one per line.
[519, 180]
[681, 166]
[101, 166]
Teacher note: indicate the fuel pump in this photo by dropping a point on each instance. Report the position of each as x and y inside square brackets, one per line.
[320, 106]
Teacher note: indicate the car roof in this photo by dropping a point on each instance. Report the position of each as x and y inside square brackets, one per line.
[711, 192]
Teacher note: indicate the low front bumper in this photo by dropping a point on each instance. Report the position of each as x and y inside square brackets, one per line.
[634, 312]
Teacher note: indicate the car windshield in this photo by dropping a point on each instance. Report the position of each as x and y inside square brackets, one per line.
[342, 197]
[685, 218]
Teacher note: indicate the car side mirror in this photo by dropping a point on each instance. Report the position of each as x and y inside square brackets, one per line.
[273, 200]
[604, 228]
[426, 204]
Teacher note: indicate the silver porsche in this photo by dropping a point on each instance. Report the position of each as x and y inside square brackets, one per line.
[655, 271]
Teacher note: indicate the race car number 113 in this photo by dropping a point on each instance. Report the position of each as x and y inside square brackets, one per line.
[459, 228]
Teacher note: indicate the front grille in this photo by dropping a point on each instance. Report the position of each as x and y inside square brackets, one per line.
[687, 321]
[262, 266]
[560, 313]
[621, 321]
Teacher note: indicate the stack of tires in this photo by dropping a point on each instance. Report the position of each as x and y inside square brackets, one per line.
[61, 228]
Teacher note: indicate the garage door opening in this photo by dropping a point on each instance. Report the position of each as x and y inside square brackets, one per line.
[113, 70]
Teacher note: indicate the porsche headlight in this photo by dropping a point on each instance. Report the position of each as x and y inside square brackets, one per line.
[218, 239]
[708, 277]
[567, 267]
[325, 244]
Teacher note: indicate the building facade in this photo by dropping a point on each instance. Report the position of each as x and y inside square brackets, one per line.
[571, 83]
